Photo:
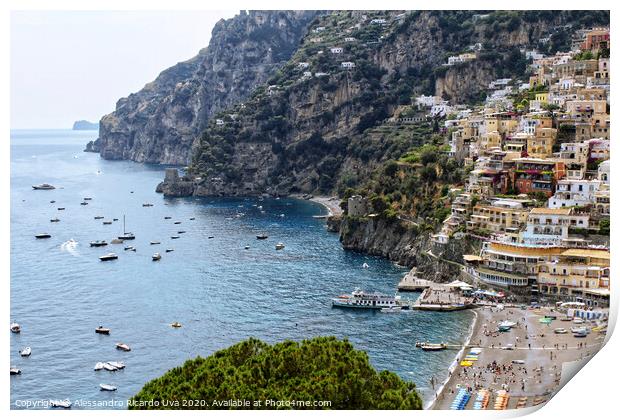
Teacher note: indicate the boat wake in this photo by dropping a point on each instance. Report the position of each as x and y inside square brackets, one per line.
[70, 246]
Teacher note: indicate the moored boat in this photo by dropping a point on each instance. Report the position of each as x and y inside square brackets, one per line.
[279, 246]
[176, 325]
[101, 330]
[42, 236]
[98, 217]
[560, 331]
[123, 346]
[15, 328]
[117, 365]
[25, 352]
[364, 300]
[169, 250]
[156, 256]
[175, 237]
[15, 371]
[261, 236]
[130, 248]
[167, 217]
[84, 203]
[147, 205]
[126, 235]
[107, 222]
[431, 346]
[155, 242]
[109, 367]
[44, 187]
[98, 243]
[55, 220]
[391, 309]
[99, 366]
[177, 222]
[109, 257]
[60, 403]
[107, 387]
[60, 208]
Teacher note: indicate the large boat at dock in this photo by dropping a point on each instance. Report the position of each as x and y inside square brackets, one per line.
[365, 300]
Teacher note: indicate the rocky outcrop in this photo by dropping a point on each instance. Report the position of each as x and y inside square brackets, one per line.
[159, 123]
[402, 242]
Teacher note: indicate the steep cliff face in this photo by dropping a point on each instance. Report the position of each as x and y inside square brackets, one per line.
[318, 124]
[403, 243]
[159, 123]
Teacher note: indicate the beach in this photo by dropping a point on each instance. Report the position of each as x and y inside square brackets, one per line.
[538, 351]
[332, 204]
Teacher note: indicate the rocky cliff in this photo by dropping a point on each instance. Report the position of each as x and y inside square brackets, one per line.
[317, 125]
[159, 123]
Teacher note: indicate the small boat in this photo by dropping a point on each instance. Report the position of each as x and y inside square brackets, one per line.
[83, 203]
[169, 250]
[55, 219]
[431, 346]
[155, 242]
[60, 403]
[61, 208]
[117, 365]
[15, 371]
[44, 187]
[98, 366]
[98, 243]
[106, 387]
[192, 218]
[210, 237]
[115, 220]
[42, 235]
[175, 237]
[107, 222]
[176, 325]
[116, 241]
[123, 346]
[177, 223]
[126, 235]
[180, 231]
[52, 201]
[101, 330]
[130, 248]
[25, 352]
[109, 367]
[365, 265]
[261, 236]
[391, 310]
[15, 328]
[578, 321]
[580, 334]
[246, 247]
[87, 198]
[109, 257]
[167, 217]
[156, 256]
[560, 331]
[279, 246]
[98, 217]
[147, 205]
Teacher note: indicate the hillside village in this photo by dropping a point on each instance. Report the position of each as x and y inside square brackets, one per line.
[538, 174]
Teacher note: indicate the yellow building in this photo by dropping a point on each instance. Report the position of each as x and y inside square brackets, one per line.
[542, 97]
[501, 216]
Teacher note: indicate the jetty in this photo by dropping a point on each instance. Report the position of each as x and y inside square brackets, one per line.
[436, 296]
[412, 283]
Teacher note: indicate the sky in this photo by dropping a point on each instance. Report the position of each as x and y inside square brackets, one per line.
[75, 65]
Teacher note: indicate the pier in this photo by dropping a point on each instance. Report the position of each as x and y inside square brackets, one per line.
[435, 296]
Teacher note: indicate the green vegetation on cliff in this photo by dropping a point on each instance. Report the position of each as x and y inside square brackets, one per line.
[320, 369]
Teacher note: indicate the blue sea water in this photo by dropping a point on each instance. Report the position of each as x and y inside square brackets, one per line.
[219, 291]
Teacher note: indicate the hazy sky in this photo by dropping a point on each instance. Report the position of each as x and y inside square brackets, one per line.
[68, 66]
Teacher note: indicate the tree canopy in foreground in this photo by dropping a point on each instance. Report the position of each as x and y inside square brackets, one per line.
[253, 374]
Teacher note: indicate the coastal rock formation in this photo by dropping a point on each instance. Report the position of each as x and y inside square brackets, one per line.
[402, 242]
[85, 125]
[159, 123]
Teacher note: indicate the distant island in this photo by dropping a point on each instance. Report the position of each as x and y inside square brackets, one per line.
[85, 125]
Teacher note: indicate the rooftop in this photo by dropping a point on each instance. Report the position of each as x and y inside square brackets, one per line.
[586, 252]
[544, 210]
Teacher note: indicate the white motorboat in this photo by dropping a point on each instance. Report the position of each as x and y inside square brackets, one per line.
[155, 242]
[279, 246]
[15, 371]
[60, 403]
[365, 265]
[123, 346]
[391, 309]
[578, 321]
[156, 256]
[44, 187]
[99, 366]
[175, 237]
[176, 325]
[15, 328]
[25, 352]
[109, 257]
[109, 367]
[117, 365]
[107, 387]
[42, 236]
[560, 331]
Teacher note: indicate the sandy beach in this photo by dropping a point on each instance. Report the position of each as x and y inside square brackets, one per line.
[538, 351]
[332, 204]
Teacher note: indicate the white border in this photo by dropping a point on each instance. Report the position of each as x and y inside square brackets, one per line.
[590, 395]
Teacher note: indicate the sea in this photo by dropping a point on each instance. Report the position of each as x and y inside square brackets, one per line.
[217, 289]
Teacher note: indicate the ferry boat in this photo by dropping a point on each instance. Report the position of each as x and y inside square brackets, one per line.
[365, 300]
[431, 346]
[44, 187]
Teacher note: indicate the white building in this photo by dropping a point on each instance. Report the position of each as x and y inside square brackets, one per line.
[347, 65]
[603, 172]
[574, 192]
[550, 226]
[336, 50]
[378, 21]
[349, 39]
[303, 65]
[219, 122]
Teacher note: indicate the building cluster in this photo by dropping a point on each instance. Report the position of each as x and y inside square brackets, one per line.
[538, 189]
